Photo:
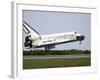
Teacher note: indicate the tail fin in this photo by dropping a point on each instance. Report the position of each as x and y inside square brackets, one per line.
[29, 30]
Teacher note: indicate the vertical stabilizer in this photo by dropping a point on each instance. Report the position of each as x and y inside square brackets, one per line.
[30, 31]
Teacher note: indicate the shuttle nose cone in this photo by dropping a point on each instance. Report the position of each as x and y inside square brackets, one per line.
[80, 38]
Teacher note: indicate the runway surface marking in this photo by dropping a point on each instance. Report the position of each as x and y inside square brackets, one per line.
[57, 56]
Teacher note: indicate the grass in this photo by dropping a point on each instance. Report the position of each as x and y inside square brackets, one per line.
[53, 63]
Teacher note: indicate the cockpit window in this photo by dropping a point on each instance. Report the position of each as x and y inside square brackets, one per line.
[75, 32]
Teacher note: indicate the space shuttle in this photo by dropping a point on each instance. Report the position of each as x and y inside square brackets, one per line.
[34, 40]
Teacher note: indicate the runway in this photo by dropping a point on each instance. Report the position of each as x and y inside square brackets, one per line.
[57, 56]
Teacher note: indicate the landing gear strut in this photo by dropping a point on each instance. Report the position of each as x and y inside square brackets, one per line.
[46, 48]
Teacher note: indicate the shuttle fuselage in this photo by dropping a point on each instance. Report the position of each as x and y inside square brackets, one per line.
[35, 40]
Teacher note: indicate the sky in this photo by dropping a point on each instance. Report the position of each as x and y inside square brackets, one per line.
[48, 22]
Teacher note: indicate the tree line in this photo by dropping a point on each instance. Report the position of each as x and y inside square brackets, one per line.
[56, 52]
